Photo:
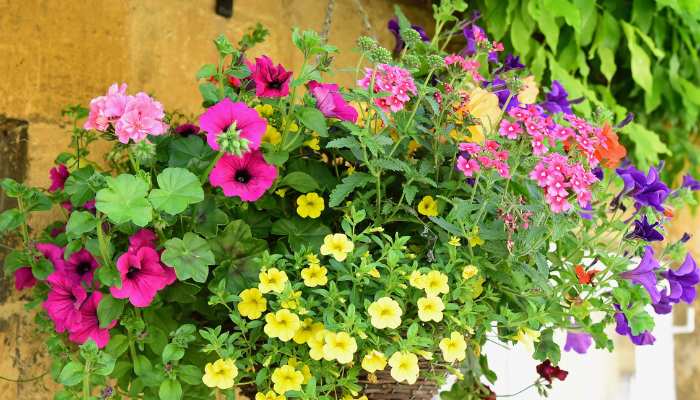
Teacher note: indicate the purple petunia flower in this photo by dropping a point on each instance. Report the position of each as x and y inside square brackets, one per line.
[683, 280]
[393, 26]
[579, 342]
[645, 231]
[500, 89]
[187, 130]
[510, 63]
[647, 190]
[644, 274]
[690, 183]
[557, 100]
[643, 339]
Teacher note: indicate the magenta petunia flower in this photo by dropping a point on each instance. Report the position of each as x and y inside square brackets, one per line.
[142, 116]
[142, 238]
[142, 276]
[24, 278]
[331, 103]
[226, 114]
[64, 301]
[52, 253]
[247, 177]
[58, 174]
[270, 81]
[80, 266]
[88, 327]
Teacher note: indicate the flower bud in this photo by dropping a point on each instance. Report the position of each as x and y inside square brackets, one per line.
[435, 61]
[144, 152]
[411, 61]
[379, 55]
[366, 43]
[410, 36]
[231, 141]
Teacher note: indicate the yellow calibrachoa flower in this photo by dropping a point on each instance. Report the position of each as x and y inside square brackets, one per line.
[469, 271]
[305, 370]
[339, 346]
[529, 91]
[483, 105]
[404, 367]
[308, 329]
[270, 395]
[252, 303]
[287, 378]
[428, 206]
[314, 275]
[282, 325]
[313, 143]
[417, 280]
[454, 241]
[430, 309]
[281, 192]
[374, 361]
[435, 283]
[220, 374]
[527, 338]
[292, 302]
[310, 205]
[374, 273]
[312, 258]
[338, 245]
[385, 313]
[272, 280]
[316, 343]
[293, 127]
[272, 135]
[474, 239]
[454, 348]
[265, 110]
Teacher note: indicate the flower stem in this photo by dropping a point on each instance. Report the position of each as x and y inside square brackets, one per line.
[213, 162]
[86, 380]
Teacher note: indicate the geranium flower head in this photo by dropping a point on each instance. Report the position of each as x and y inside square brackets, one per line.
[282, 324]
[64, 301]
[142, 275]
[286, 378]
[272, 280]
[237, 120]
[252, 303]
[220, 374]
[247, 177]
[88, 326]
[374, 361]
[270, 81]
[106, 110]
[404, 367]
[645, 274]
[142, 116]
[330, 101]
[579, 342]
[430, 309]
[310, 205]
[58, 174]
[454, 348]
[385, 313]
[339, 346]
[338, 245]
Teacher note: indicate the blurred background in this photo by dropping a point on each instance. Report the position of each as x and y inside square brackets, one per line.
[636, 56]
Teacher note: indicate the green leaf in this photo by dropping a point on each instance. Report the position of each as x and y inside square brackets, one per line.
[170, 389]
[105, 364]
[142, 365]
[11, 220]
[124, 200]
[209, 92]
[607, 62]
[190, 256]
[314, 120]
[207, 218]
[647, 145]
[639, 60]
[172, 352]
[206, 71]
[178, 188]
[118, 345]
[109, 309]
[78, 186]
[300, 181]
[190, 374]
[301, 232]
[80, 222]
[236, 249]
[640, 321]
[223, 45]
[564, 8]
[589, 19]
[71, 374]
[546, 348]
[189, 152]
[520, 36]
[349, 183]
[547, 24]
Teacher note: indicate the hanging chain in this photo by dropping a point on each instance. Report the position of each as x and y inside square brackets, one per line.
[367, 26]
[327, 21]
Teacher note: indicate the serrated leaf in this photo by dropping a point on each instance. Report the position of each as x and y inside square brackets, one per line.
[647, 145]
[178, 188]
[124, 200]
[349, 183]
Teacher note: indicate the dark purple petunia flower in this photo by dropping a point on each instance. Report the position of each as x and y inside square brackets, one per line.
[510, 63]
[645, 231]
[474, 35]
[500, 89]
[187, 129]
[686, 237]
[645, 274]
[598, 172]
[579, 342]
[690, 183]
[557, 100]
[549, 372]
[647, 190]
[622, 327]
[393, 26]
[683, 280]
[664, 306]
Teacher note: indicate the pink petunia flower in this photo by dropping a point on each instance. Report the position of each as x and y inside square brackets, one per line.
[88, 326]
[106, 110]
[142, 116]
[222, 115]
[247, 177]
[58, 174]
[64, 301]
[80, 267]
[142, 238]
[270, 81]
[143, 276]
[52, 253]
[331, 103]
[24, 278]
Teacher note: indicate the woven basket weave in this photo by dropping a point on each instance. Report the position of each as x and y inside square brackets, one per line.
[386, 388]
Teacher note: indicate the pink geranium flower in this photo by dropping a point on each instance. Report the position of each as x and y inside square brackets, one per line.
[58, 174]
[222, 115]
[270, 81]
[88, 326]
[80, 266]
[24, 278]
[142, 276]
[64, 301]
[142, 116]
[331, 102]
[106, 110]
[247, 177]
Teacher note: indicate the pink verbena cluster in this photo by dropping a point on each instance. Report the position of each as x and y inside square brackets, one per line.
[132, 117]
[391, 79]
[470, 66]
[474, 157]
[557, 177]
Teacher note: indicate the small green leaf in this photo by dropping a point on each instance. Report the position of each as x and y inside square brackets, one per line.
[78, 186]
[607, 62]
[206, 71]
[170, 389]
[172, 352]
[301, 232]
[300, 181]
[71, 374]
[190, 256]
[109, 309]
[350, 183]
[80, 222]
[124, 200]
[178, 188]
[209, 92]
[639, 60]
[11, 220]
[647, 145]
[314, 120]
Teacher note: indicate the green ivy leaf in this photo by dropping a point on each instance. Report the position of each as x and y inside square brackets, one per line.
[190, 256]
[314, 120]
[124, 200]
[178, 188]
[300, 181]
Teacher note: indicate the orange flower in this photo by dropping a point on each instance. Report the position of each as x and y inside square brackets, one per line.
[584, 278]
[610, 152]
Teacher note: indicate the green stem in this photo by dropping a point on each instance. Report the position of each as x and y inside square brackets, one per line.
[104, 247]
[205, 175]
[86, 380]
